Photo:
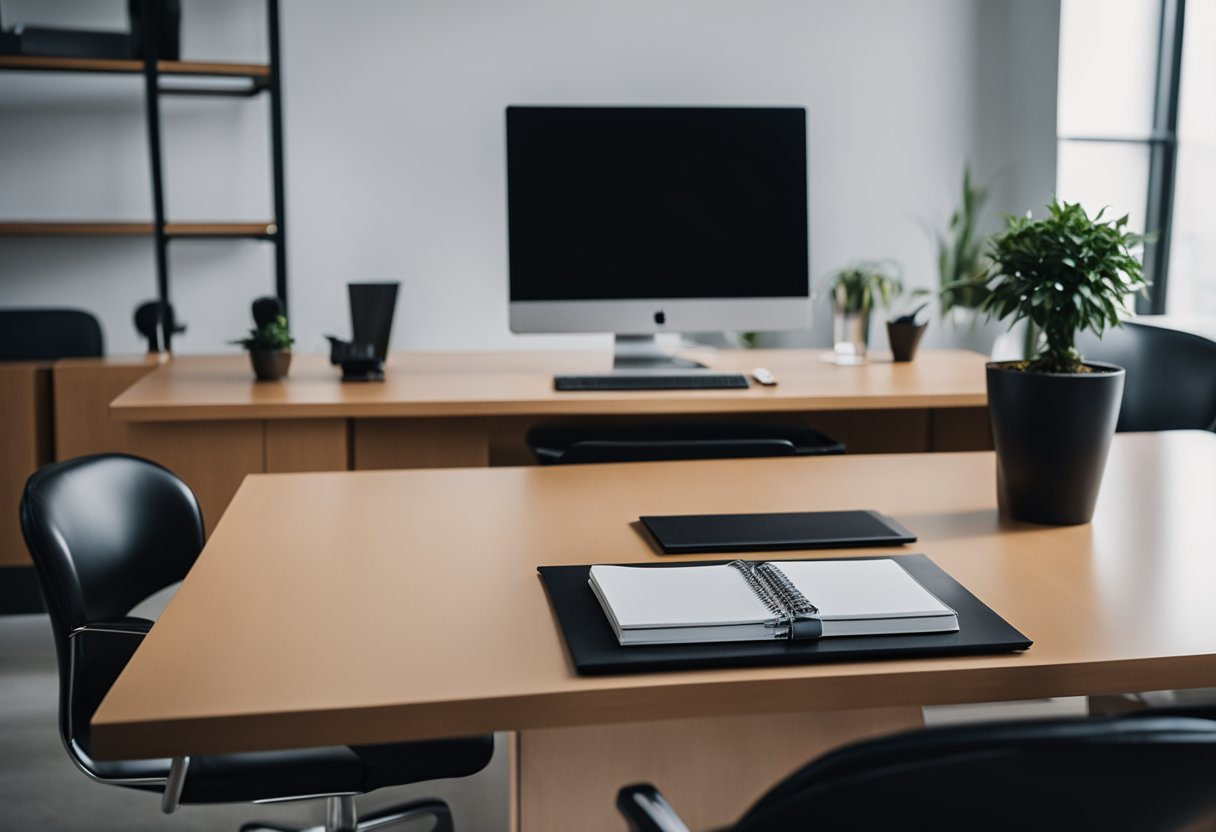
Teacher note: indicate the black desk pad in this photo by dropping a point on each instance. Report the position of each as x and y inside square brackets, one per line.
[687, 533]
[595, 650]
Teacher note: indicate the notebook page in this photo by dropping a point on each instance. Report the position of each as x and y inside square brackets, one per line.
[855, 589]
[686, 596]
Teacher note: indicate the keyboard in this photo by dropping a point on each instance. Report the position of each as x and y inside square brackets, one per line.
[695, 380]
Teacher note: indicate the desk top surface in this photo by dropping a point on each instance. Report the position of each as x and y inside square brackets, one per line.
[506, 383]
[359, 607]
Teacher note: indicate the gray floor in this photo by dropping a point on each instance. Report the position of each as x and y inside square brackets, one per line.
[41, 789]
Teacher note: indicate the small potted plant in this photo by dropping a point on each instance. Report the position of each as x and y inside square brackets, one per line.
[1053, 414]
[855, 291]
[269, 342]
[904, 331]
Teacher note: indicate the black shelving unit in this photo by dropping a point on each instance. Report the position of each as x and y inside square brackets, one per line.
[260, 79]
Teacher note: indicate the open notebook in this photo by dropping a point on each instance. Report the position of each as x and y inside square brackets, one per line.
[755, 601]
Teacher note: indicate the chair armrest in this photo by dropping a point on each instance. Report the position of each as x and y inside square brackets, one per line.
[647, 810]
[132, 626]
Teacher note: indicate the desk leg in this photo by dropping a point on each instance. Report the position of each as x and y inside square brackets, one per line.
[710, 770]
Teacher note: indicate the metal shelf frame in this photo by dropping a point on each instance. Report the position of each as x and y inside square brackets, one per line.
[261, 78]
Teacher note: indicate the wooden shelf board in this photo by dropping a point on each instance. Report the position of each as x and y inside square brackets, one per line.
[213, 68]
[46, 229]
[219, 229]
[172, 229]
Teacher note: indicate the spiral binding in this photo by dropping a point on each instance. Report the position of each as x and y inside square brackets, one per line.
[747, 569]
[794, 601]
[775, 590]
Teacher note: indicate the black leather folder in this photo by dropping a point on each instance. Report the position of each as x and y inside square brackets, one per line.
[594, 649]
[679, 534]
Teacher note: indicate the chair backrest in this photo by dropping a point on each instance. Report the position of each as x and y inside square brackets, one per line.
[104, 532]
[1171, 376]
[48, 334]
[1130, 773]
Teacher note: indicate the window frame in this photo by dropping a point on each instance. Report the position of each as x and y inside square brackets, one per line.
[1162, 145]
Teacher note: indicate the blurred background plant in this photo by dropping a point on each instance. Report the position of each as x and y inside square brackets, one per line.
[961, 257]
[861, 286]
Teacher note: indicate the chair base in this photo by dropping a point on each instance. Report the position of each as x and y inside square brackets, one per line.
[340, 816]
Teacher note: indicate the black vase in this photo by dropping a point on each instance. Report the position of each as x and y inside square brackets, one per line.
[1052, 432]
[371, 314]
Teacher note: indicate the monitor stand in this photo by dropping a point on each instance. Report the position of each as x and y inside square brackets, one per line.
[642, 352]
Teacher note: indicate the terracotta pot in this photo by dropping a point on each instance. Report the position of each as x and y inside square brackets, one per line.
[270, 365]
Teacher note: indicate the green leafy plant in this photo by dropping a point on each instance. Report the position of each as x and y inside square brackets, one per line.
[1065, 273]
[273, 336]
[960, 252]
[857, 287]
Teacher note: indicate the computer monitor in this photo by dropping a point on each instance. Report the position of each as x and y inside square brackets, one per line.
[642, 220]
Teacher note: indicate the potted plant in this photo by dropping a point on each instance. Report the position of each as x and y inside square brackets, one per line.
[961, 263]
[904, 331]
[1053, 414]
[855, 291]
[269, 342]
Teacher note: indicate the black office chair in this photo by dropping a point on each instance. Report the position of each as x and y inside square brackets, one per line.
[107, 531]
[48, 334]
[1171, 376]
[1134, 774]
[560, 444]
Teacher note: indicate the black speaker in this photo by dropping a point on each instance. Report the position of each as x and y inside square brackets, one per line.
[371, 314]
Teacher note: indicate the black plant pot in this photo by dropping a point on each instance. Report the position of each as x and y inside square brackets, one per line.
[904, 338]
[1052, 432]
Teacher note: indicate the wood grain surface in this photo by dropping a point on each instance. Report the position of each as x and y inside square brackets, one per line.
[394, 605]
[501, 384]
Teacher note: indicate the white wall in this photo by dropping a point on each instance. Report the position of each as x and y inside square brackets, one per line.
[394, 141]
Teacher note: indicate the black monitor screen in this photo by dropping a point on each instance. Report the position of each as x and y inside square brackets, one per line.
[617, 203]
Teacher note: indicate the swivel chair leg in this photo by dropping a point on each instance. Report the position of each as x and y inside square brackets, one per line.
[341, 816]
[407, 811]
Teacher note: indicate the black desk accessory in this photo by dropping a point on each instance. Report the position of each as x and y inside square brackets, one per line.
[153, 319]
[357, 359]
[650, 380]
[679, 534]
[371, 313]
[155, 29]
[594, 649]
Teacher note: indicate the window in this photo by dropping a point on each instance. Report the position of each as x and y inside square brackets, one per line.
[1131, 140]
[1192, 266]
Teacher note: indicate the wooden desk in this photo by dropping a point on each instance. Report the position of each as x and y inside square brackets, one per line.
[25, 444]
[375, 606]
[419, 385]
[451, 410]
